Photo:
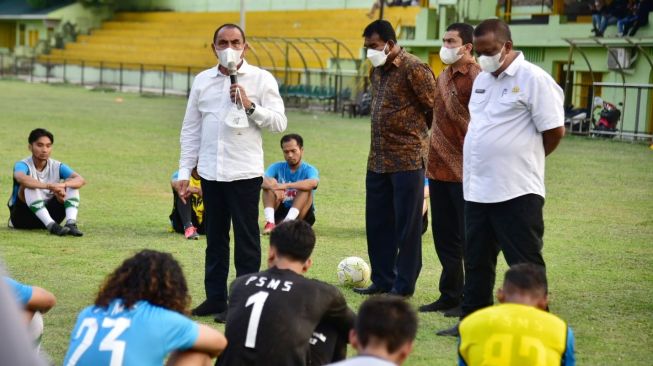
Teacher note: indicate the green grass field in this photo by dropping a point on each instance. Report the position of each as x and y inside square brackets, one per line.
[598, 215]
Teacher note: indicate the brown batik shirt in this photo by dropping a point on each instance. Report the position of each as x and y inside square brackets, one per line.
[403, 95]
[450, 120]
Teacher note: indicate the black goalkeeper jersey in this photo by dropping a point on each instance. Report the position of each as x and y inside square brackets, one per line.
[272, 315]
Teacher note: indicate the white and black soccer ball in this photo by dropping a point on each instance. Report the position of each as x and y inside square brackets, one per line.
[353, 272]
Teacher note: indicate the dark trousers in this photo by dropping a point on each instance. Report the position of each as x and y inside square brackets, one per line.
[393, 218]
[447, 222]
[225, 202]
[514, 227]
[22, 216]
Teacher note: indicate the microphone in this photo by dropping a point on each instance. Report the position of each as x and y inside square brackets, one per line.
[231, 66]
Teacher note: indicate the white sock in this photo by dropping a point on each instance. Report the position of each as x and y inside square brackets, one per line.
[34, 200]
[268, 212]
[292, 214]
[71, 203]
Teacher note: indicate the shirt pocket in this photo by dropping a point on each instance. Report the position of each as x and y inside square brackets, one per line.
[477, 103]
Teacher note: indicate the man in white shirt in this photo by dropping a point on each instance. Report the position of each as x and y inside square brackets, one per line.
[517, 117]
[221, 135]
[384, 332]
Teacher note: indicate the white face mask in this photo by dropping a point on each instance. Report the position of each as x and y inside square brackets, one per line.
[377, 58]
[491, 63]
[450, 55]
[227, 55]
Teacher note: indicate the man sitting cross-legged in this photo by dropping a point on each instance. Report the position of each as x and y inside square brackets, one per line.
[519, 331]
[288, 186]
[384, 333]
[278, 317]
[45, 190]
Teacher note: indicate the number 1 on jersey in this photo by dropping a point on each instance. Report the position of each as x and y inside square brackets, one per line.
[258, 299]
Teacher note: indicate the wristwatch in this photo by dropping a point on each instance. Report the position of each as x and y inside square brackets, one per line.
[251, 109]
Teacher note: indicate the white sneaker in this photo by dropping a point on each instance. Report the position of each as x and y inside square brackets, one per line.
[10, 224]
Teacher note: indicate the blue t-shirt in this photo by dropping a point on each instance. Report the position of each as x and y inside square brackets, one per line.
[21, 292]
[141, 336]
[282, 173]
[64, 172]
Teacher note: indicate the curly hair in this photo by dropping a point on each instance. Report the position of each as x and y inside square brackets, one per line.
[149, 275]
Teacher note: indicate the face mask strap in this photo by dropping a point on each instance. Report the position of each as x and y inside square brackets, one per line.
[239, 97]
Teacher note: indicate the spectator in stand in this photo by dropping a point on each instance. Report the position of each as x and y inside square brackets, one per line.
[610, 14]
[638, 17]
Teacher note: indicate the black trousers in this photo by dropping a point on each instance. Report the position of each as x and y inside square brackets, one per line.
[393, 218]
[514, 227]
[23, 218]
[224, 203]
[447, 223]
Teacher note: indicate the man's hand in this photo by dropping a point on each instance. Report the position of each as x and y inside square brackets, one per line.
[246, 102]
[182, 190]
[59, 189]
[271, 184]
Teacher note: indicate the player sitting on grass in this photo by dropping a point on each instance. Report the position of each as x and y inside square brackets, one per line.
[34, 301]
[384, 332]
[138, 319]
[273, 314]
[519, 331]
[45, 190]
[288, 186]
[187, 214]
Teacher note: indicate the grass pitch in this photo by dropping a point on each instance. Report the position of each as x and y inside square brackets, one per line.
[598, 216]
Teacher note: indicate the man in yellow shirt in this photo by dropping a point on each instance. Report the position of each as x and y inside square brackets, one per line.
[519, 331]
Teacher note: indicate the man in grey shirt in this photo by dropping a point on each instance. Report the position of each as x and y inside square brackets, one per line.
[384, 332]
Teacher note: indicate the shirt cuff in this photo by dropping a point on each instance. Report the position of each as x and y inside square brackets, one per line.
[184, 174]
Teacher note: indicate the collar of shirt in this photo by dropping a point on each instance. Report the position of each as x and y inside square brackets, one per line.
[244, 68]
[463, 68]
[511, 70]
[399, 58]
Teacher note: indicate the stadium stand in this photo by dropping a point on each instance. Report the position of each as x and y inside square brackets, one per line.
[184, 39]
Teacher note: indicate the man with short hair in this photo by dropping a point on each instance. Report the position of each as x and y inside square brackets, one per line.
[517, 119]
[384, 332]
[542, 338]
[289, 186]
[45, 190]
[403, 91]
[445, 163]
[273, 314]
[221, 135]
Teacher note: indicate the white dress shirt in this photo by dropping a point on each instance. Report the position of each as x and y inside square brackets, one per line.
[503, 153]
[220, 152]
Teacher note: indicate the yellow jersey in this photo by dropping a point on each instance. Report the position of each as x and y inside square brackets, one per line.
[515, 334]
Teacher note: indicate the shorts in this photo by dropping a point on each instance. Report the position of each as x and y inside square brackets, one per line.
[281, 212]
[22, 216]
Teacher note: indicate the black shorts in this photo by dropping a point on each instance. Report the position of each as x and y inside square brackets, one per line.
[326, 345]
[281, 212]
[22, 216]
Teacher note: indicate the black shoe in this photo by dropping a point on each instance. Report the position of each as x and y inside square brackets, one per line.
[73, 230]
[451, 332]
[221, 317]
[436, 306]
[394, 292]
[209, 308]
[456, 312]
[56, 229]
[371, 290]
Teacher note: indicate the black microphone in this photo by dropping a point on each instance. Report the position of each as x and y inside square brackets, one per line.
[231, 66]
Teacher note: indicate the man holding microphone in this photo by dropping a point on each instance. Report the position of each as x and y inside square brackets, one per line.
[227, 108]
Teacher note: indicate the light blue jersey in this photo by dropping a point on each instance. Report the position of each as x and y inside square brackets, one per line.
[141, 336]
[21, 292]
[282, 173]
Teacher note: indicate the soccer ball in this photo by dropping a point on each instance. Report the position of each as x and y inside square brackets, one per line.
[353, 272]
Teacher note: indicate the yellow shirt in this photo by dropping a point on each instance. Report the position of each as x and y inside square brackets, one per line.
[514, 334]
